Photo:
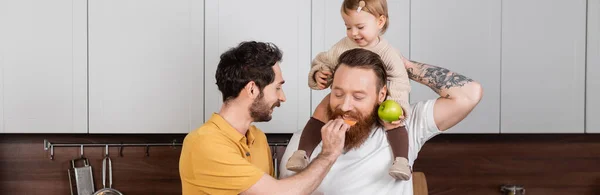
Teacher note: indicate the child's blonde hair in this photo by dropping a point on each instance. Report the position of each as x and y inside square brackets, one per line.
[376, 7]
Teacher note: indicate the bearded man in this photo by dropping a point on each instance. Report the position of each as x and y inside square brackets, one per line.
[229, 155]
[357, 89]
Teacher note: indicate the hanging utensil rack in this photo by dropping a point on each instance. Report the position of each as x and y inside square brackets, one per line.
[50, 146]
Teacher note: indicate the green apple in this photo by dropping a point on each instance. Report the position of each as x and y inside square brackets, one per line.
[389, 111]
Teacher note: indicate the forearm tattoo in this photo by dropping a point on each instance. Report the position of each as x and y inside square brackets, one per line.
[437, 78]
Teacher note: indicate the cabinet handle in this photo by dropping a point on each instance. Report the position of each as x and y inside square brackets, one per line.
[513, 189]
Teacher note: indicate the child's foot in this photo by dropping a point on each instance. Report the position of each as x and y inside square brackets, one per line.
[298, 161]
[400, 169]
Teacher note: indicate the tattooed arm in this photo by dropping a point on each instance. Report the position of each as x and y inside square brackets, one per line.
[458, 94]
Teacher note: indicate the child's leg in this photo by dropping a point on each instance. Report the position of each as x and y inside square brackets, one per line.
[311, 135]
[398, 140]
[310, 138]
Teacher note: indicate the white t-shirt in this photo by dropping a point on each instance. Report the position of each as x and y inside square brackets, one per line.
[365, 170]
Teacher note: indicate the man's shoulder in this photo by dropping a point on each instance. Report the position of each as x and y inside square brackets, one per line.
[258, 133]
[421, 115]
[207, 133]
[421, 106]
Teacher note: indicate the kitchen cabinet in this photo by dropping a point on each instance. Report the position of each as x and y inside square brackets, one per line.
[543, 66]
[328, 28]
[149, 66]
[464, 37]
[230, 22]
[146, 66]
[593, 68]
[43, 68]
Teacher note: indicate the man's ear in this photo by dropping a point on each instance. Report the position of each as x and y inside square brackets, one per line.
[382, 94]
[251, 89]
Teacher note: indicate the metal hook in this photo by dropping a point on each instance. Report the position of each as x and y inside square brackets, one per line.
[121, 150]
[147, 150]
[51, 152]
[81, 151]
[106, 151]
[275, 161]
[70, 186]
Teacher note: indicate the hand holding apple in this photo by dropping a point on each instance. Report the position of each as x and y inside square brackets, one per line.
[391, 113]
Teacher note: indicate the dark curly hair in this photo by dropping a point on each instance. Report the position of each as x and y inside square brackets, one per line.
[249, 61]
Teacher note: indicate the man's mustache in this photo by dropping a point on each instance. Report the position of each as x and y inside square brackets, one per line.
[338, 112]
[276, 104]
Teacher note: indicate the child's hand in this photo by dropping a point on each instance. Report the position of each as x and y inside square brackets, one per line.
[394, 124]
[321, 78]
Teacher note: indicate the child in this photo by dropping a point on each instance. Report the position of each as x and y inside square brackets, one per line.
[365, 21]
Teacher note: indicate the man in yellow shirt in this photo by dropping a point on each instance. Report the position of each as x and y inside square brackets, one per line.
[229, 155]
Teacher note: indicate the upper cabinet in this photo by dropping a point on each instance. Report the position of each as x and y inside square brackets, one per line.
[593, 68]
[328, 28]
[146, 66]
[464, 37]
[543, 66]
[43, 66]
[285, 23]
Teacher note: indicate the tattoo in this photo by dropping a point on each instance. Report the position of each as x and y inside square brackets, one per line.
[437, 78]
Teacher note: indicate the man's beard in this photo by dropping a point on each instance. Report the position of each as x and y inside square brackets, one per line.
[358, 133]
[260, 110]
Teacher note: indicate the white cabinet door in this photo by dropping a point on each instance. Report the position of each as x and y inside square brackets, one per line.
[145, 66]
[43, 70]
[593, 68]
[464, 37]
[543, 66]
[328, 28]
[285, 23]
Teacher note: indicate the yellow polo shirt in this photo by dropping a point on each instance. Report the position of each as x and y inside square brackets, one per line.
[217, 159]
